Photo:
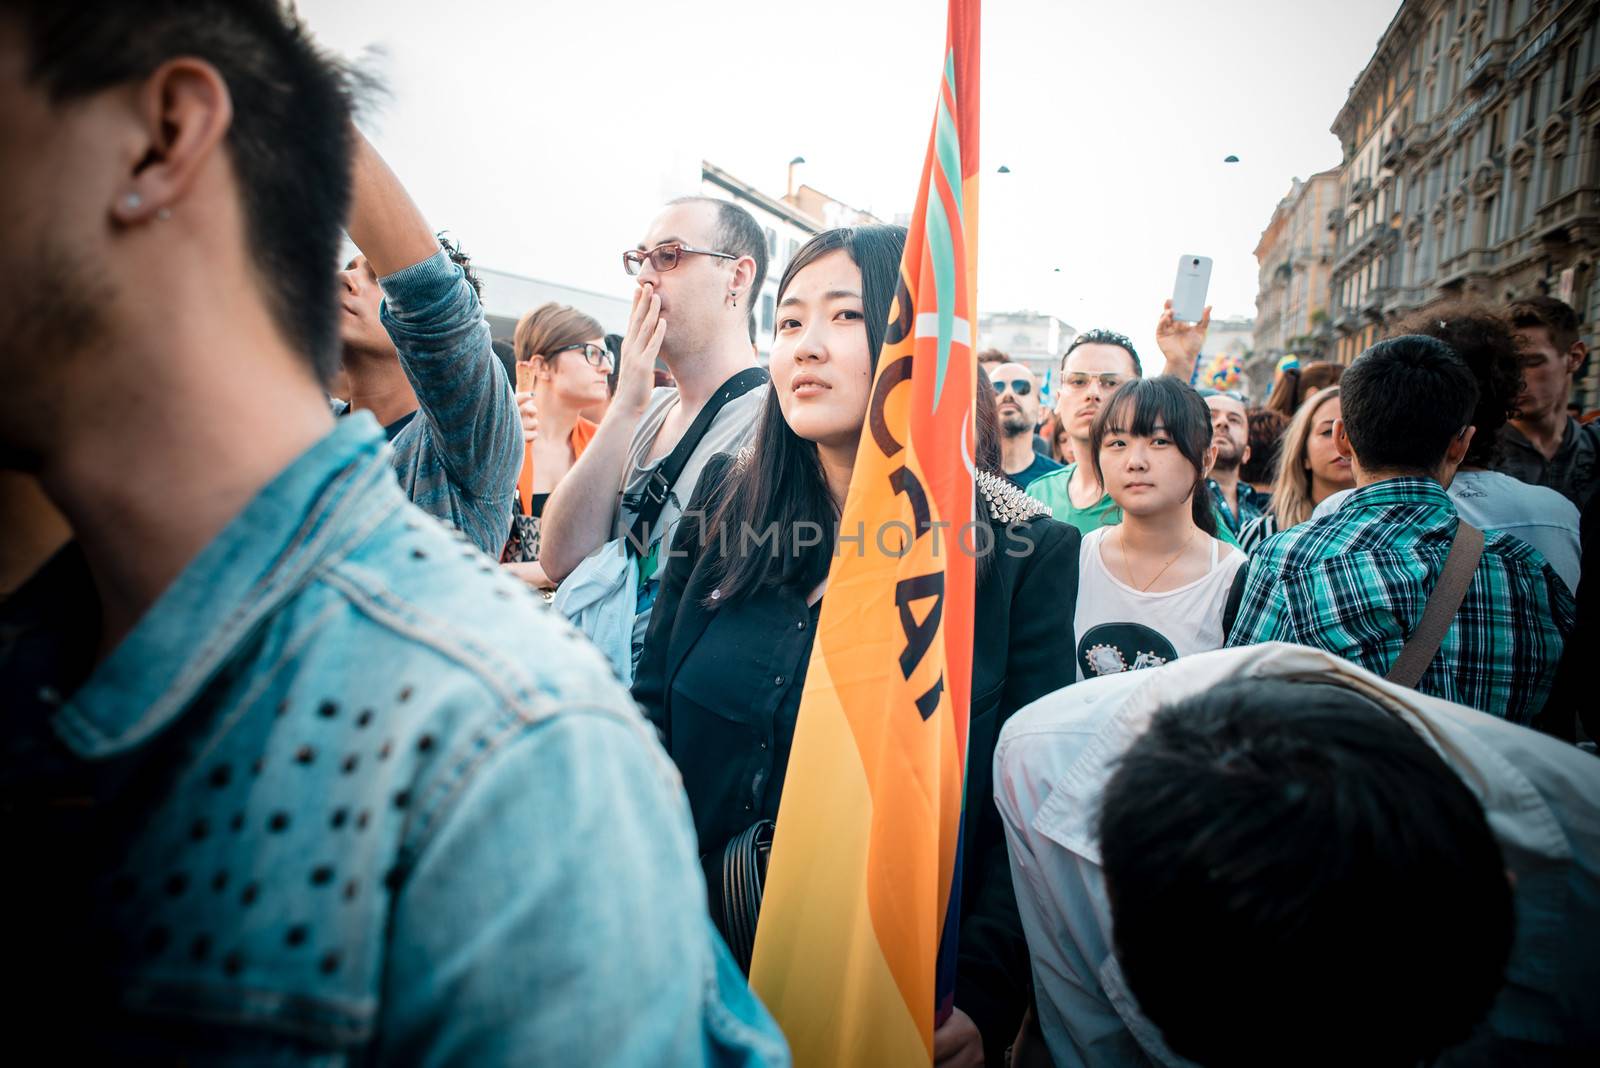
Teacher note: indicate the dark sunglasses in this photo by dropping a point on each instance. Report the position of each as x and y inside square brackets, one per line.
[665, 257]
[1020, 386]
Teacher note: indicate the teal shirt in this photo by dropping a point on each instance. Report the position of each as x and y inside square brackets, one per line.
[1051, 490]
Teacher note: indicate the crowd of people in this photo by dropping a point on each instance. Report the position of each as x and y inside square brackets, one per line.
[378, 692]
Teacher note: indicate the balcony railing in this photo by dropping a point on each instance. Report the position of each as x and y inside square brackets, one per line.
[1568, 208]
[1392, 152]
[1372, 307]
[1533, 51]
[1360, 188]
[1487, 63]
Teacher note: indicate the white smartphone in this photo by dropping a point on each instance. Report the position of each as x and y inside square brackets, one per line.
[1189, 291]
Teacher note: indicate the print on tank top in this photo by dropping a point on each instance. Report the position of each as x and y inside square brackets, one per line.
[1112, 648]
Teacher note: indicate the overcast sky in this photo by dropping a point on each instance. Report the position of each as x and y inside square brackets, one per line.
[545, 134]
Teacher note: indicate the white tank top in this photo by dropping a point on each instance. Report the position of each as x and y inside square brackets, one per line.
[1122, 629]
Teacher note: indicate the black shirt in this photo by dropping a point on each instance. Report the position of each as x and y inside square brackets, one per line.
[1042, 465]
[1574, 471]
[722, 684]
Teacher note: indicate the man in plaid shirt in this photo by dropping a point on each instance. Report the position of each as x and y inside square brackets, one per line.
[1355, 582]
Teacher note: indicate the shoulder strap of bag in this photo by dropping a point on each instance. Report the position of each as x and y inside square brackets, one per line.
[1443, 604]
[654, 495]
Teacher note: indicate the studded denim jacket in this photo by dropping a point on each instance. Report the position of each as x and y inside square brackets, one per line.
[380, 806]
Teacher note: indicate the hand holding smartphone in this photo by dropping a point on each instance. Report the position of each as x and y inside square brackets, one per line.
[1189, 291]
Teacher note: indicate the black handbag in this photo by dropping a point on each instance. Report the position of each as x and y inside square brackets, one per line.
[744, 873]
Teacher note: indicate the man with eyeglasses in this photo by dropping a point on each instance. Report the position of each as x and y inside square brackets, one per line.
[418, 355]
[699, 270]
[1095, 365]
[1016, 399]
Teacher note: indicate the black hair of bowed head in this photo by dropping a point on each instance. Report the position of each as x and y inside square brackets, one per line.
[782, 483]
[1135, 409]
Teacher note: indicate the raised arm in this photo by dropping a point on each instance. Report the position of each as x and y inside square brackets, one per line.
[385, 224]
[580, 515]
[433, 316]
[1181, 342]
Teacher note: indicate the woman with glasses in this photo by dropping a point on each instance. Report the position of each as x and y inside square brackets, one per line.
[562, 369]
[1153, 587]
[1310, 469]
[725, 658]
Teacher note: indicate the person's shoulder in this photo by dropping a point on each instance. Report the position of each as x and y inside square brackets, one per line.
[426, 598]
[1050, 488]
[1492, 499]
[1514, 553]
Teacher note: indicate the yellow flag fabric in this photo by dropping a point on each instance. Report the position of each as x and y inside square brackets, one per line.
[855, 946]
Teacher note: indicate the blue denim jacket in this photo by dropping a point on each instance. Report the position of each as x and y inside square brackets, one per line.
[400, 813]
[458, 458]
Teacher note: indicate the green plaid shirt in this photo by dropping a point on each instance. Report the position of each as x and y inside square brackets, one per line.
[1355, 583]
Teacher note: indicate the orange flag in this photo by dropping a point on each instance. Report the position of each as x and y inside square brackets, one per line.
[856, 942]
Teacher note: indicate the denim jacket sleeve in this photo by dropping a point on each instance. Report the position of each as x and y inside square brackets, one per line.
[438, 328]
[585, 943]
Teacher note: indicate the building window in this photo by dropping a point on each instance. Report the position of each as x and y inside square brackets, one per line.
[1571, 74]
[772, 244]
[1554, 184]
[767, 306]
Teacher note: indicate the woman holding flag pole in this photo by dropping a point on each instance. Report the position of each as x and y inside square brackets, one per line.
[731, 637]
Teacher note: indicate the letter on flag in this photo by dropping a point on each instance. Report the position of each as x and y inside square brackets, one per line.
[855, 948]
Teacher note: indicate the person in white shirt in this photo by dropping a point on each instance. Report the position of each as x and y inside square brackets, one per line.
[1268, 855]
[1152, 588]
[1491, 500]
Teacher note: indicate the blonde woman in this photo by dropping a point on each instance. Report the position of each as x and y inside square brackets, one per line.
[1310, 469]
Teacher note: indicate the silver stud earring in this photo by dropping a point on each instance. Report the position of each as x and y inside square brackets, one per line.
[133, 201]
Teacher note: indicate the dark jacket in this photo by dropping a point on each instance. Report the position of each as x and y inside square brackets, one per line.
[725, 708]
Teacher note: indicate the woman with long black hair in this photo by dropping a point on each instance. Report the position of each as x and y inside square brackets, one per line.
[730, 639]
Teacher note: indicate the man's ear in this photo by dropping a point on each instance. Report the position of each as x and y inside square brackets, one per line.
[1210, 459]
[1577, 355]
[744, 274]
[1457, 449]
[1341, 440]
[1244, 455]
[184, 111]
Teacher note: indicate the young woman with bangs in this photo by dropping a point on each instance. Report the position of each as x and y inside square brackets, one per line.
[729, 642]
[1153, 587]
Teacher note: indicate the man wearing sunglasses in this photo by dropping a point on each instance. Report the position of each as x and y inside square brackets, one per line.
[418, 355]
[699, 269]
[1016, 399]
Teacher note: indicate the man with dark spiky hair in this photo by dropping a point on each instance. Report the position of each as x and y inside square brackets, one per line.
[1358, 582]
[279, 778]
